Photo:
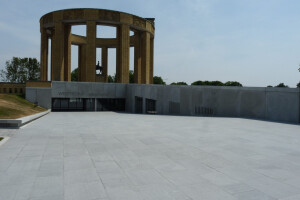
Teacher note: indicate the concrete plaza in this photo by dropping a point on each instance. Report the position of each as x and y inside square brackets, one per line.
[115, 156]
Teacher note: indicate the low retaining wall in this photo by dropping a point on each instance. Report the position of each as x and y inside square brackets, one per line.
[12, 88]
[16, 123]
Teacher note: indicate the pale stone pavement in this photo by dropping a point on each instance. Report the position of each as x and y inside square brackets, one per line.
[106, 155]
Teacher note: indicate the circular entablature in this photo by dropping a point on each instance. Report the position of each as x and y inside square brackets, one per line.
[100, 16]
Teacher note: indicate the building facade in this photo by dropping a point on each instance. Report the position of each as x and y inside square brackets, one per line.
[275, 104]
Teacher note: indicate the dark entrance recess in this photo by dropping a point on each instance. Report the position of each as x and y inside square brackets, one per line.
[150, 106]
[87, 104]
[73, 104]
[138, 105]
[110, 104]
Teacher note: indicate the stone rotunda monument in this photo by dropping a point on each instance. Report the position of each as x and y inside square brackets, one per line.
[57, 27]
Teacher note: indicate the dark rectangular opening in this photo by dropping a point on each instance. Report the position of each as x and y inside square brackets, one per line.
[151, 106]
[87, 104]
[204, 111]
[73, 104]
[138, 104]
[107, 104]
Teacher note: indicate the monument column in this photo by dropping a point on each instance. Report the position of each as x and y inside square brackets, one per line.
[145, 53]
[58, 52]
[82, 63]
[122, 72]
[67, 53]
[90, 51]
[79, 63]
[104, 62]
[151, 60]
[137, 58]
[44, 55]
[51, 63]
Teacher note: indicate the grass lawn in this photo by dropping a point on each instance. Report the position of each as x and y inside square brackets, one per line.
[15, 106]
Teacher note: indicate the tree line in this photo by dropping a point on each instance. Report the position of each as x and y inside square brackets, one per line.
[20, 70]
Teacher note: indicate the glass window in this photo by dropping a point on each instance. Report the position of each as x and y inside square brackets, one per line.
[150, 106]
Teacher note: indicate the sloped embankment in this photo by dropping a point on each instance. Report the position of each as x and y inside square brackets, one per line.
[15, 106]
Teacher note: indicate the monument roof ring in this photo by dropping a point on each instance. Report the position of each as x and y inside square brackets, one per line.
[80, 16]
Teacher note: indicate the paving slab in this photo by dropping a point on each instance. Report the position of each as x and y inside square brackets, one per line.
[113, 156]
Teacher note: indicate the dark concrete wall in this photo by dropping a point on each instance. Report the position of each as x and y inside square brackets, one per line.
[39, 95]
[276, 104]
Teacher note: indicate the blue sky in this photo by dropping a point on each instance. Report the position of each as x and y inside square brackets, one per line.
[255, 42]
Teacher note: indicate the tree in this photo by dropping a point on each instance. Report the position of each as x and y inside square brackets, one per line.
[198, 83]
[217, 83]
[214, 83]
[298, 85]
[282, 85]
[74, 75]
[158, 80]
[111, 79]
[210, 83]
[233, 83]
[178, 83]
[131, 76]
[20, 70]
[269, 86]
